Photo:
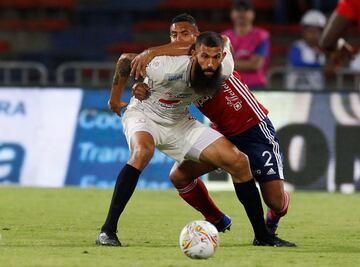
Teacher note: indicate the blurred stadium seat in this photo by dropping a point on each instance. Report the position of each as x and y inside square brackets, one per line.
[100, 30]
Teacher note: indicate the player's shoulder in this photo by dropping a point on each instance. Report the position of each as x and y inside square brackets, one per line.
[234, 80]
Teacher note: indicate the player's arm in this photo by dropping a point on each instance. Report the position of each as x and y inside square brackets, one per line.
[121, 76]
[338, 50]
[139, 63]
[227, 65]
[336, 26]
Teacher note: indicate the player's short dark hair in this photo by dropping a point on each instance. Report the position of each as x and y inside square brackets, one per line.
[242, 5]
[184, 17]
[210, 39]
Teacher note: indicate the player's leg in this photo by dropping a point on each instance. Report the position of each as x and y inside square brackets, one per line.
[272, 186]
[142, 146]
[277, 201]
[225, 155]
[262, 147]
[184, 176]
[210, 147]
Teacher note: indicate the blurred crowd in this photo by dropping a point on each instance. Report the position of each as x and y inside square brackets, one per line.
[308, 65]
[99, 31]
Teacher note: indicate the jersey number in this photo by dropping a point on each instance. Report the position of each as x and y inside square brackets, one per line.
[267, 163]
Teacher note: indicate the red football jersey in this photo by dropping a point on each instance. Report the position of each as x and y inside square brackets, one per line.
[350, 9]
[234, 109]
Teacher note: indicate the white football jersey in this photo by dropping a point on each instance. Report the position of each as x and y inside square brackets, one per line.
[169, 80]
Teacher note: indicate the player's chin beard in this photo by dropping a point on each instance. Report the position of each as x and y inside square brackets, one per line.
[205, 85]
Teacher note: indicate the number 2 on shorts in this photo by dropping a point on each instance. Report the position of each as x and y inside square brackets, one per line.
[267, 163]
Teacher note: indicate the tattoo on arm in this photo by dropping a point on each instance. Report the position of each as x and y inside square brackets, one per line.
[123, 68]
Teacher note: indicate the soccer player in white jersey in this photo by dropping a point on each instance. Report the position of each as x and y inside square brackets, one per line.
[237, 114]
[163, 121]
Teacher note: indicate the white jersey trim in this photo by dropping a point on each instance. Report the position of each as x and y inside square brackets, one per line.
[275, 145]
[252, 102]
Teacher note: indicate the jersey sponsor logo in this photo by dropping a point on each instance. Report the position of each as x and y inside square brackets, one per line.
[175, 77]
[182, 96]
[231, 98]
[201, 101]
[237, 106]
[271, 172]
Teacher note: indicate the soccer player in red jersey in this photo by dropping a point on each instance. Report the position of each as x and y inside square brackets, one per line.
[237, 114]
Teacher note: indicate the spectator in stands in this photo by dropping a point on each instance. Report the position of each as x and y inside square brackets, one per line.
[251, 45]
[305, 59]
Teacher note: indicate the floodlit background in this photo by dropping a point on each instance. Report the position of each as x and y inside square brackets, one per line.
[56, 65]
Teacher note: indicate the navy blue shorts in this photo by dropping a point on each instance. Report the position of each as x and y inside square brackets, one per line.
[261, 145]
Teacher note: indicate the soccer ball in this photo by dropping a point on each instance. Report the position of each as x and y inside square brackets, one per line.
[199, 239]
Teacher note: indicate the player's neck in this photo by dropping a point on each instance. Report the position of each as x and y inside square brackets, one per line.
[243, 29]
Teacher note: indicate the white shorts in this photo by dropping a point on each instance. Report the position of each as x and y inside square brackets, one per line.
[184, 140]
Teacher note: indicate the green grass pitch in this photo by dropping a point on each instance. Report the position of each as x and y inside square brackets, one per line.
[57, 227]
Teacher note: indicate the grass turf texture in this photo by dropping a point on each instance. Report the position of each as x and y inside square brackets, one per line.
[57, 227]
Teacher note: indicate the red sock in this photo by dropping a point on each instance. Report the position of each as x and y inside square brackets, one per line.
[277, 215]
[197, 196]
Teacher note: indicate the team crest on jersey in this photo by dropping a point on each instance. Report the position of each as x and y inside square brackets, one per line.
[155, 63]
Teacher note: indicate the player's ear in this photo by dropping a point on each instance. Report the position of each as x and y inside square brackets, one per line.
[223, 56]
[193, 53]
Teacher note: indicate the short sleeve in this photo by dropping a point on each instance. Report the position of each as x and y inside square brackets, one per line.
[228, 62]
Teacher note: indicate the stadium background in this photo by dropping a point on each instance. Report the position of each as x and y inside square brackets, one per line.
[57, 61]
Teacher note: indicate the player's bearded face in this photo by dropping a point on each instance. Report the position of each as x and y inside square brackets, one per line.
[206, 81]
[206, 78]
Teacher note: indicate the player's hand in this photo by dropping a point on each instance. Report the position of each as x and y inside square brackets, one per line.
[141, 91]
[116, 106]
[139, 63]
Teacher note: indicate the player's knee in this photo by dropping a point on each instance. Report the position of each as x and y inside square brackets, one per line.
[141, 155]
[239, 164]
[178, 179]
[174, 175]
[240, 169]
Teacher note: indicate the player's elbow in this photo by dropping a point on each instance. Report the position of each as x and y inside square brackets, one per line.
[123, 66]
